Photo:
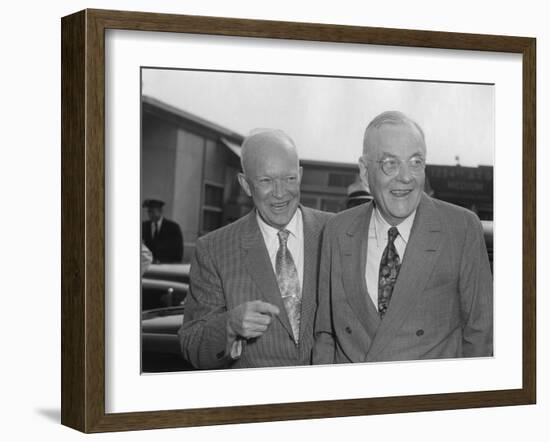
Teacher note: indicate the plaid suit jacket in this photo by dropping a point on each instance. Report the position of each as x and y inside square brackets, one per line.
[231, 266]
[442, 303]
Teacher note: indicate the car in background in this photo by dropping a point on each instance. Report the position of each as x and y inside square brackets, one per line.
[164, 289]
[168, 272]
[158, 293]
[160, 347]
[164, 285]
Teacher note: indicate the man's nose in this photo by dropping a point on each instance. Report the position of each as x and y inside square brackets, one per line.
[278, 188]
[404, 173]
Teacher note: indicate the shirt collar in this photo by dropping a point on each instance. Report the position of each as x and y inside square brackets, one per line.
[378, 227]
[294, 226]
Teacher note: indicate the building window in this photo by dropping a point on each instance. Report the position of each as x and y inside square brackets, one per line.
[309, 202]
[212, 208]
[341, 179]
[213, 195]
[211, 220]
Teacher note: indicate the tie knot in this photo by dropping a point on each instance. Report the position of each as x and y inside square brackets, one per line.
[392, 233]
[283, 236]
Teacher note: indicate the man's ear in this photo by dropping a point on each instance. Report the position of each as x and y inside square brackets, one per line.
[301, 172]
[244, 184]
[363, 172]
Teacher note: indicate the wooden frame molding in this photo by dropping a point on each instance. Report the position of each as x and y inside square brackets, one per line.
[83, 219]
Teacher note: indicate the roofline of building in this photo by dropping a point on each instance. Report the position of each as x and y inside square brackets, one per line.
[329, 164]
[189, 117]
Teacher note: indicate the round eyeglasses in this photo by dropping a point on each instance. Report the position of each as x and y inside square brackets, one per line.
[391, 166]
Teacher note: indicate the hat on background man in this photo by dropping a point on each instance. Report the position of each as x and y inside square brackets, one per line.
[357, 194]
[153, 204]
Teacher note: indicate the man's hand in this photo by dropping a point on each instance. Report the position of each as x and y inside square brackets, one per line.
[250, 319]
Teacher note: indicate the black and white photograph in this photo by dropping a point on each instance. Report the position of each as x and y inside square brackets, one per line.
[275, 221]
[266, 221]
[294, 220]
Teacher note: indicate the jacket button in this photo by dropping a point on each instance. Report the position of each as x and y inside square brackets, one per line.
[419, 332]
[348, 330]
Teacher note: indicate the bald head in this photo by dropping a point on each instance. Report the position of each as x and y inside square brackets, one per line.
[263, 144]
[271, 175]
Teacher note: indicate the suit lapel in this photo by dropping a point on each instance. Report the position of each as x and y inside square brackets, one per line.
[354, 244]
[420, 258]
[260, 269]
[312, 230]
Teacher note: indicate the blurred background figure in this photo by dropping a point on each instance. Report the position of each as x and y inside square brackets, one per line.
[146, 258]
[162, 236]
[357, 194]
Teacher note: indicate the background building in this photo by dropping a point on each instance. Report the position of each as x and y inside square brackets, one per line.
[192, 165]
[470, 187]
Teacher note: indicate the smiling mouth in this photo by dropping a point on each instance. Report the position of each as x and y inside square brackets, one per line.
[280, 206]
[401, 193]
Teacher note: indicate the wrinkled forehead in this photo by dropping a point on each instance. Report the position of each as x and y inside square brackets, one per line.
[399, 139]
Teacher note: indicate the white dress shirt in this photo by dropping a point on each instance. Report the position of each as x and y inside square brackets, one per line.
[295, 242]
[378, 240]
[156, 225]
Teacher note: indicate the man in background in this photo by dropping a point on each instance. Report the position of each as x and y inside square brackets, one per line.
[253, 286]
[161, 236]
[357, 194]
[405, 277]
[146, 258]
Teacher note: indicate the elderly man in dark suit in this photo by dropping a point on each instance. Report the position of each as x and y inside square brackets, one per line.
[254, 282]
[162, 236]
[406, 277]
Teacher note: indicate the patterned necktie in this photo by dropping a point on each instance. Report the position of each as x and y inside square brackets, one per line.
[387, 275]
[289, 285]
